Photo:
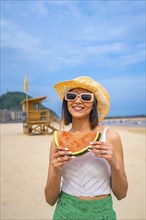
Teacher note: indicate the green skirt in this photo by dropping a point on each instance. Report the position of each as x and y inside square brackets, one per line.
[72, 208]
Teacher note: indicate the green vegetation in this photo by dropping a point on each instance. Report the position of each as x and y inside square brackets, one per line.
[11, 101]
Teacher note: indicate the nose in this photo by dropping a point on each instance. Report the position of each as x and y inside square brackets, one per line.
[78, 100]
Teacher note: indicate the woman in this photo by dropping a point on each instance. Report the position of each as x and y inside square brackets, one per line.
[83, 185]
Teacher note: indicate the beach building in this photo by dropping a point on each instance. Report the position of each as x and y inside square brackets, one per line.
[37, 120]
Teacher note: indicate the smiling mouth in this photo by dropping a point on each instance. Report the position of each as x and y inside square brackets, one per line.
[78, 108]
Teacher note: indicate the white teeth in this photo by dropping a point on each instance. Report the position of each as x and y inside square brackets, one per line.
[77, 108]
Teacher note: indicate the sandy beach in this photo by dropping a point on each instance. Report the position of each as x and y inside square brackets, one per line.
[24, 167]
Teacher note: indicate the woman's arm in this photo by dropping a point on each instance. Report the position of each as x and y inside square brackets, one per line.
[112, 151]
[58, 157]
[119, 181]
[52, 188]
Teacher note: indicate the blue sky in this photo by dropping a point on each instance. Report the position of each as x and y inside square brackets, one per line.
[54, 41]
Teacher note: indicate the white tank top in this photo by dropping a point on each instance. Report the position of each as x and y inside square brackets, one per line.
[87, 175]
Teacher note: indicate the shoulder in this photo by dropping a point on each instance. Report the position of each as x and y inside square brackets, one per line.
[113, 135]
[109, 132]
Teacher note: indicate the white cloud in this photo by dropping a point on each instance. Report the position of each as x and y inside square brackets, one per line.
[14, 37]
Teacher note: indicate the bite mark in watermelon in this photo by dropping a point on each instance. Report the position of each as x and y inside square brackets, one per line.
[76, 142]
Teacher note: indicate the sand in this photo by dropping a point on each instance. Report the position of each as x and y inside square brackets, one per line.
[24, 166]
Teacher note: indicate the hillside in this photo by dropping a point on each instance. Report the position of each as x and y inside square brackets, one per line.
[11, 101]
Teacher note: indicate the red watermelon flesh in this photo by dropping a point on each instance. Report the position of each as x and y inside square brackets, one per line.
[76, 142]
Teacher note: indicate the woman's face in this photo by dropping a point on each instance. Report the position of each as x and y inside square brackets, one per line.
[79, 108]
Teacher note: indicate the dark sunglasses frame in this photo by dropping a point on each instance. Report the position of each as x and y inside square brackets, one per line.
[81, 96]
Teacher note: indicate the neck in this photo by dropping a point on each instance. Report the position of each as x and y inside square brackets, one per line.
[82, 126]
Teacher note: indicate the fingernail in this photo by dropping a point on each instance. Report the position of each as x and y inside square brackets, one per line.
[66, 148]
[72, 156]
[69, 153]
[92, 142]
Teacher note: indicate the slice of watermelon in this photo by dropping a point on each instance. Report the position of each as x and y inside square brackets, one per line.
[76, 142]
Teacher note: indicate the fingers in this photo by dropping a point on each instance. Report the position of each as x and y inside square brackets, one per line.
[60, 161]
[61, 156]
[101, 149]
[62, 148]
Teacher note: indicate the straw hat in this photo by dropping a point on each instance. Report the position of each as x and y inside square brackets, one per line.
[91, 85]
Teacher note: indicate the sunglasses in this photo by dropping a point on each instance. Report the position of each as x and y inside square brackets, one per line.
[84, 97]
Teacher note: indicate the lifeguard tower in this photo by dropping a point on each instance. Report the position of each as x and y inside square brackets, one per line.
[36, 120]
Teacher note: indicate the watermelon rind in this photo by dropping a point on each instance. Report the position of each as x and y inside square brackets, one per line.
[98, 136]
[77, 153]
[84, 150]
[55, 138]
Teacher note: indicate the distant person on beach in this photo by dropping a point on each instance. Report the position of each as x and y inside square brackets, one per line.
[82, 185]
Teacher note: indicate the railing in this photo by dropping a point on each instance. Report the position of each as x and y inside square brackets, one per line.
[38, 116]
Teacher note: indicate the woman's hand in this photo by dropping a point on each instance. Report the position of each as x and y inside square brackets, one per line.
[60, 157]
[103, 150]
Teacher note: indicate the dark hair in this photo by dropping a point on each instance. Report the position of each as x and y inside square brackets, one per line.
[67, 118]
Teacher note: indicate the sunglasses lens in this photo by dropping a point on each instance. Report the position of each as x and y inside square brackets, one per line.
[86, 97]
[71, 96]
